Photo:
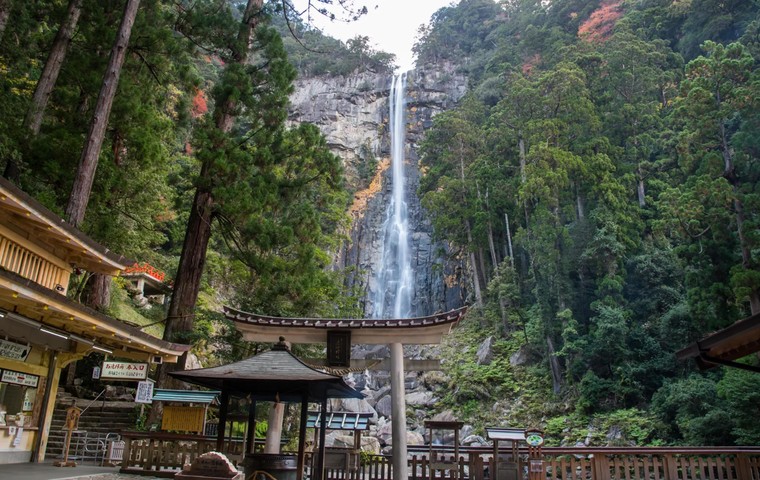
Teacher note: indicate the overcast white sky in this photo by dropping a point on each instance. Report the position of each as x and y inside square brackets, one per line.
[391, 27]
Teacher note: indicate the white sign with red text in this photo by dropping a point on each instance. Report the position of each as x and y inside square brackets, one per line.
[19, 378]
[124, 371]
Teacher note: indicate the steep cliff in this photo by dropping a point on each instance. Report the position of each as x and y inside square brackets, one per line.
[353, 114]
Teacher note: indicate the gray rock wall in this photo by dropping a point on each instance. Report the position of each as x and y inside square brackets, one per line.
[352, 112]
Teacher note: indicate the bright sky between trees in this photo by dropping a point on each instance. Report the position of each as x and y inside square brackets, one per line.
[391, 25]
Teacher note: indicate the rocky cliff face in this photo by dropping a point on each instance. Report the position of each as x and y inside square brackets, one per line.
[352, 112]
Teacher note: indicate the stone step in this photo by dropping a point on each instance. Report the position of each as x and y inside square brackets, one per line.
[99, 418]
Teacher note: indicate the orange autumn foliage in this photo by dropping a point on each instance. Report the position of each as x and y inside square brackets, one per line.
[599, 25]
[530, 63]
[200, 105]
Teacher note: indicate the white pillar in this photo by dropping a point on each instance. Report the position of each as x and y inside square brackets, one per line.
[398, 413]
[274, 428]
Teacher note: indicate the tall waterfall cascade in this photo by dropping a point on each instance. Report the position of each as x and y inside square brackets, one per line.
[395, 278]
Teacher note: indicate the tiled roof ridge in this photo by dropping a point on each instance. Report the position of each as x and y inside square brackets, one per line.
[267, 320]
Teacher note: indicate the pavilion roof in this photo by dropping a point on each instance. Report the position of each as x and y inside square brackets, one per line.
[418, 330]
[276, 373]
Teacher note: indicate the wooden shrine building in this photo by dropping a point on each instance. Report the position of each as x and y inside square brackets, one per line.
[340, 334]
[42, 329]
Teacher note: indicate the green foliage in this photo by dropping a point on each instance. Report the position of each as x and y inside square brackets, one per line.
[629, 184]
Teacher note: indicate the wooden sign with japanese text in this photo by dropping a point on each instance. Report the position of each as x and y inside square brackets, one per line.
[124, 371]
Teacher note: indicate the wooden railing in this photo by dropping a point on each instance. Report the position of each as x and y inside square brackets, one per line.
[161, 454]
[164, 454]
[32, 265]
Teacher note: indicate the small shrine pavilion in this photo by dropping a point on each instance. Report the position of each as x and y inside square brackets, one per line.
[340, 334]
[275, 376]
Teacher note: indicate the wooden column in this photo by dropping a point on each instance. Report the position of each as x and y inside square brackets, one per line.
[250, 437]
[302, 436]
[223, 406]
[43, 425]
[398, 413]
[320, 463]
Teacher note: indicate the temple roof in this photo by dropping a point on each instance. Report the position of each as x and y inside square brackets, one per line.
[418, 330]
[34, 305]
[21, 212]
[724, 346]
[276, 373]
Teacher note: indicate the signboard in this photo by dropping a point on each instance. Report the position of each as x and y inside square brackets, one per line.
[18, 378]
[123, 371]
[14, 350]
[144, 392]
[95, 373]
[183, 419]
[339, 348]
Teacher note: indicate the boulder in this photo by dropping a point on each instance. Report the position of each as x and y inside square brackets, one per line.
[485, 352]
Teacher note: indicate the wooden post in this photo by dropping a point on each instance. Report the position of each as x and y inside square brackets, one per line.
[302, 436]
[319, 466]
[671, 468]
[398, 413]
[250, 436]
[223, 406]
[743, 469]
[72, 422]
[535, 440]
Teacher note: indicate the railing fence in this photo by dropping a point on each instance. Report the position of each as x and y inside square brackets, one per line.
[161, 454]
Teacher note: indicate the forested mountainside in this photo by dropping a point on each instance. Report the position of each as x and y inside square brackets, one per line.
[600, 180]
[602, 174]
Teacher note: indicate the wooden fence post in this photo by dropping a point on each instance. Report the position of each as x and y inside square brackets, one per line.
[671, 468]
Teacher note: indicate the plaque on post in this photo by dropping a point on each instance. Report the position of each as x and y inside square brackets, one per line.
[72, 423]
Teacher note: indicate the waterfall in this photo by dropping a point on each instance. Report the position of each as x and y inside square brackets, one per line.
[395, 280]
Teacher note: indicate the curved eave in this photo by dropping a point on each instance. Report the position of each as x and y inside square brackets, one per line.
[417, 331]
[52, 309]
[36, 221]
[268, 375]
[726, 345]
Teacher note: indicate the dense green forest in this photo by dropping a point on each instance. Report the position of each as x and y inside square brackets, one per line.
[600, 178]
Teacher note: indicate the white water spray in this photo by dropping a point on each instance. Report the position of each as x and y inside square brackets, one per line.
[393, 298]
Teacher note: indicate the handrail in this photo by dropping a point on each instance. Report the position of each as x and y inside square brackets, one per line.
[678, 450]
[93, 401]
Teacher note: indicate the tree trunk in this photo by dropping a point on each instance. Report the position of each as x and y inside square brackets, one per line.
[5, 13]
[729, 173]
[492, 247]
[640, 191]
[98, 292]
[509, 241]
[198, 232]
[45, 84]
[554, 366]
[523, 161]
[474, 265]
[88, 163]
[180, 319]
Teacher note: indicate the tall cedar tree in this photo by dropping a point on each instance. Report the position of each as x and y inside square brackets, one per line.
[88, 163]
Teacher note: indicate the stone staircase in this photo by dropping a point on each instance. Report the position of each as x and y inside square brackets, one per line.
[102, 421]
